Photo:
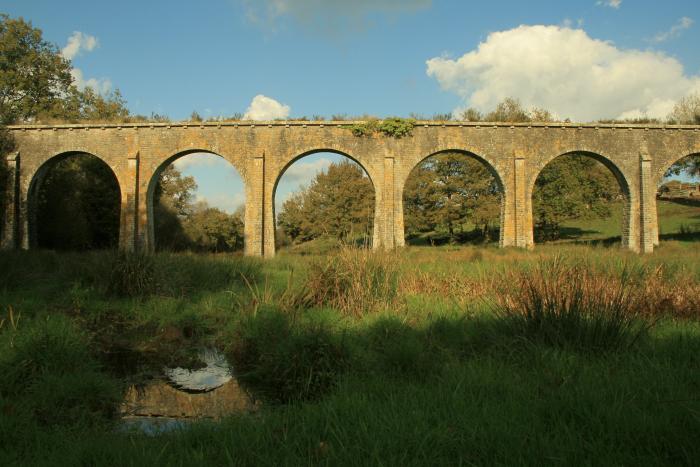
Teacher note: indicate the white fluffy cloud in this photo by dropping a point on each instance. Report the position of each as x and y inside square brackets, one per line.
[675, 30]
[610, 3]
[330, 16]
[100, 85]
[565, 71]
[201, 159]
[301, 173]
[266, 108]
[223, 201]
[77, 42]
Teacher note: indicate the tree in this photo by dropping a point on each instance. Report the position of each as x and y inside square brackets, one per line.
[181, 224]
[88, 105]
[36, 81]
[686, 111]
[211, 229]
[449, 191]
[339, 202]
[34, 77]
[573, 186]
[78, 205]
[172, 204]
[508, 110]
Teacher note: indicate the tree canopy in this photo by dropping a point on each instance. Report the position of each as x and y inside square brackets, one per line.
[450, 192]
[338, 202]
[78, 205]
[572, 186]
[183, 224]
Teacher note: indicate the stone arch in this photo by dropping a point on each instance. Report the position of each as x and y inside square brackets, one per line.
[657, 178]
[486, 161]
[329, 149]
[155, 178]
[667, 163]
[35, 184]
[623, 180]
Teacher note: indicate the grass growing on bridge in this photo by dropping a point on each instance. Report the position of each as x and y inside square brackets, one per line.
[568, 354]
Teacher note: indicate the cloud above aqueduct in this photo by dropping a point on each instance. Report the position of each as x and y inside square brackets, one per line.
[565, 71]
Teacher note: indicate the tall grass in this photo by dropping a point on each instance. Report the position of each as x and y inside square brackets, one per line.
[50, 378]
[569, 304]
[353, 281]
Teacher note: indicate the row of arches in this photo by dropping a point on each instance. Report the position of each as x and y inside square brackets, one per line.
[97, 193]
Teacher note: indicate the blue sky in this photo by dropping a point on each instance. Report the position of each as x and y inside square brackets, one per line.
[583, 59]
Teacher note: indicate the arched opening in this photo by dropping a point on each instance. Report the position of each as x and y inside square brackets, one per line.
[74, 204]
[196, 203]
[580, 197]
[452, 197]
[678, 200]
[323, 199]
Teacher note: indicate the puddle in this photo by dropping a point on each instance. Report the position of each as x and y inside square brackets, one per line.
[182, 395]
[215, 374]
[152, 425]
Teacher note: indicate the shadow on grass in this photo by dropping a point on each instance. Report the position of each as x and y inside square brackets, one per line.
[682, 236]
[473, 238]
[684, 201]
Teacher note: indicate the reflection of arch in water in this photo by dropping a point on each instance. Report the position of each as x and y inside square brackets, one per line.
[467, 154]
[621, 180]
[155, 179]
[36, 184]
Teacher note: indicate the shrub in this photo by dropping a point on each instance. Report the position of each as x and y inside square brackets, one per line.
[400, 350]
[285, 364]
[132, 274]
[394, 127]
[49, 377]
[568, 304]
[353, 281]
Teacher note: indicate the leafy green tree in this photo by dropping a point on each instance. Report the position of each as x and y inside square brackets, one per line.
[573, 186]
[211, 229]
[339, 202]
[78, 205]
[508, 110]
[686, 111]
[36, 81]
[34, 77]
[448, 191]
[89, 105]
[181, 224]
[172, 204]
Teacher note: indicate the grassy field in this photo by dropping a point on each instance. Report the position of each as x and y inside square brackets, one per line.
[569, 354]
[674, 218]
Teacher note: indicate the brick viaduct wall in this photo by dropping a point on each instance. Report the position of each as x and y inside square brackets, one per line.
[638, 155]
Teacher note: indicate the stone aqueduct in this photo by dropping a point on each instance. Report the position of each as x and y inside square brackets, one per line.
[515, 153]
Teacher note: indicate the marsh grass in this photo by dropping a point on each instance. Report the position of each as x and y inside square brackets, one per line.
[50, 378]
[353, 281]
[568, 304]
[365, 357]
[284, 362]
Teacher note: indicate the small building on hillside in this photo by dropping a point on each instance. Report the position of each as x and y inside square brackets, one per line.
[679, 189]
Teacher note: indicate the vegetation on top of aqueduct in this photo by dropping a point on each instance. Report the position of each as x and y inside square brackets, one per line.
[394, 127]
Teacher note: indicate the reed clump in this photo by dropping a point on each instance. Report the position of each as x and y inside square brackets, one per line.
[353, 281]
[568, 303]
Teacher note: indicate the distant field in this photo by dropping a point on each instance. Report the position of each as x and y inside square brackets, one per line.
[673, 217]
